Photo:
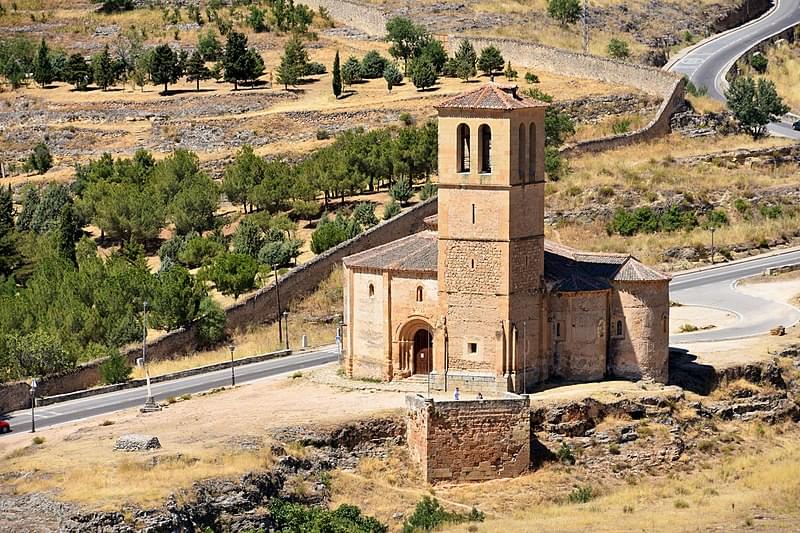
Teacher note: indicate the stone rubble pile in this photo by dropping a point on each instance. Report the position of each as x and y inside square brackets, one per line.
[137, 443]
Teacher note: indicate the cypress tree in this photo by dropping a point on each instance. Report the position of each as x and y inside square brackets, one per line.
[337, 76]
[66, 233]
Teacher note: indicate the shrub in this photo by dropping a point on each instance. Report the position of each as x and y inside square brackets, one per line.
[406, 118]
[694, 90]
[613, 448]
[716, 218]
[620, 126]
[618, 49]
[323, 135]
[429, 515]
[742, 206]
[581, 494]
[771, 211]
[38, 440]
[681, 504]
[565, 455]
[401, 191]
[364, 214]
[759, 62]
[327, 235]
[392, 75]
[688, 328]
[314, 68]
[40, 159]
[509, 72]
[530, 77]
[429, 190]
[115, 369]
[199, 251]
[211, 323]
[373, 64]
[391, 210]
[554, 165]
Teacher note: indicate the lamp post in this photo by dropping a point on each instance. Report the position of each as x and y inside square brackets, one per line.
[231, 347]
[149, 403]
[34, 386]
[339, 338]
[278, 301]
[286, 319]
[524, 357]
[712, 229]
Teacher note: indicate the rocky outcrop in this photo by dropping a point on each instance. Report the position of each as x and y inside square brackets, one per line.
[137, 443]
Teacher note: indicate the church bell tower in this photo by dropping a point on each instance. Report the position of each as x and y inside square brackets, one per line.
[491, 239]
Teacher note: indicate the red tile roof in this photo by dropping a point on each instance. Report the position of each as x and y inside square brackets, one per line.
[491, 96]
[415, 253]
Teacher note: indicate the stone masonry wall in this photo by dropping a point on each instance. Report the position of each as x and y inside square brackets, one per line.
[370, 20]
[469, 440]
[255, 309]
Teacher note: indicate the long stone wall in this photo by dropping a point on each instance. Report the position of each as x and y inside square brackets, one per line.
[255, 309]
[370, 20]
[469, 440]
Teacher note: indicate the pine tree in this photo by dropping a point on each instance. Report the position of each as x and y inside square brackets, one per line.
[9, 257]
[466, 59]
[164, 66]
[337, 76]
[67, 233]
[43, 71]
[196, 69]
[235, 58]
[103, 67]
[293, 63]
[491, 60]
[78, 72]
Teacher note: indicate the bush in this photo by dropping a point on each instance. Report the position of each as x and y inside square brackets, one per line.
[401, 191]
[581, 494]
[509, 72]
[115, 369]
[40, 160]
[323, 135]
[618, 49]
[211, 323]
[373, 64]
[314, 68]
[554, 165]
[742, 206]
[38, 440]
[771, 211]
[364, 214]
[199, 251]
[716, 218]
[171, 248]
[620, 126]
[429, 190]
[406, 118]
[694, 90]
[279, 253]
[391, 210]
[759, 62]
[530, 77]
[327, 235]
[429, 515]
[565, 455]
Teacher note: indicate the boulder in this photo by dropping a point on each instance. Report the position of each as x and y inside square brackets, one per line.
[137, 443]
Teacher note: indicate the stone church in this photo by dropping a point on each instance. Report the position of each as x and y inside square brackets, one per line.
[480, 299]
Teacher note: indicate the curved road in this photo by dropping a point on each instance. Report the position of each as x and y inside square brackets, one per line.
[716, 287]
[707, 63]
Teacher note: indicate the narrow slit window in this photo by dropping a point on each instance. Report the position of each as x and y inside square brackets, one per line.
[619, 328]
[419, 294]
[473, 213]
[472, 348]
[371, 290]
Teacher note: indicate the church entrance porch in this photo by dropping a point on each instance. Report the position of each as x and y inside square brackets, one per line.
[415, 348]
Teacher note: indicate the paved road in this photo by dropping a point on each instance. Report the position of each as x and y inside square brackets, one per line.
[115, 401]
[716, 288]
[707, 64]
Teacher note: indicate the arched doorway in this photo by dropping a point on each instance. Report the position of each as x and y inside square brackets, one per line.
[415, 344]
[423, 351]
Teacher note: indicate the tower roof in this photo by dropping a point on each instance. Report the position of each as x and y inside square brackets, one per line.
[491, 96]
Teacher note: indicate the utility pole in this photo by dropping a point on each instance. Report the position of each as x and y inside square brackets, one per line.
[286, 320]
[712, 229]
[231, 347]
[585, 20]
